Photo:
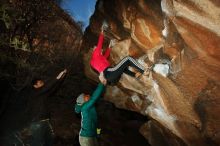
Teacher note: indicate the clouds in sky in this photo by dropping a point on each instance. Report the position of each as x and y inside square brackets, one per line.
[80, 10]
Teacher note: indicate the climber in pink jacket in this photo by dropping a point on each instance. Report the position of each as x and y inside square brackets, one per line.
[100, 61]
[111, 75]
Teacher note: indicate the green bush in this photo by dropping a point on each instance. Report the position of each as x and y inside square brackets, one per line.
[4, 16]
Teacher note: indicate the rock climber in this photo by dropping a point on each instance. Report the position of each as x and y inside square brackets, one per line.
[85, 104]
[108, 74]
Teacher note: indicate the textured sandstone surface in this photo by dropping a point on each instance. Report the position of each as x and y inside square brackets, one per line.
[184, 106]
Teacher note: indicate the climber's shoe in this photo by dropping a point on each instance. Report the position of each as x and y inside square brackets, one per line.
[148, 70]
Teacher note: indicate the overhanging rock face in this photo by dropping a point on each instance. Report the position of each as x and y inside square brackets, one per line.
[183, 105]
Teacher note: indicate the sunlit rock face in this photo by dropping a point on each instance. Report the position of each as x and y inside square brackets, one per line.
[184, 105]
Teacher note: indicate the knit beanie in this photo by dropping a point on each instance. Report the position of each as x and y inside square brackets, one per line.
[80, 99]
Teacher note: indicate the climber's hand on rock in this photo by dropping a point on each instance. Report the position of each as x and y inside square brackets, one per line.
[112, 43]
[104, 26]
[102, 30]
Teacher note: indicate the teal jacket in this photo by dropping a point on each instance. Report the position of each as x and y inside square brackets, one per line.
[88, 114]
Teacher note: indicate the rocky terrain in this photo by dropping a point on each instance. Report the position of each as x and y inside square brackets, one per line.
[182, 104]
[176, 105]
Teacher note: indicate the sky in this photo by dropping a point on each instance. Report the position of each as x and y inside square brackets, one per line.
[80, 10]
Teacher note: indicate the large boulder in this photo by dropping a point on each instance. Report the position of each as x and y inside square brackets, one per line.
[182, 105]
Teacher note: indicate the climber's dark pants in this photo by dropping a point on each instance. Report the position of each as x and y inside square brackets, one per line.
[113, 74]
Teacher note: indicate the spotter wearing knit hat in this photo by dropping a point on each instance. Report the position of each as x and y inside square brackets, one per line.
[80, 99]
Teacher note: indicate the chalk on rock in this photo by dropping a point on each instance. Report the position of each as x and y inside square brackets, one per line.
[162, 69]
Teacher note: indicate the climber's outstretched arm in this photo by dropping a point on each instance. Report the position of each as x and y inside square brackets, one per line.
[52, 85]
